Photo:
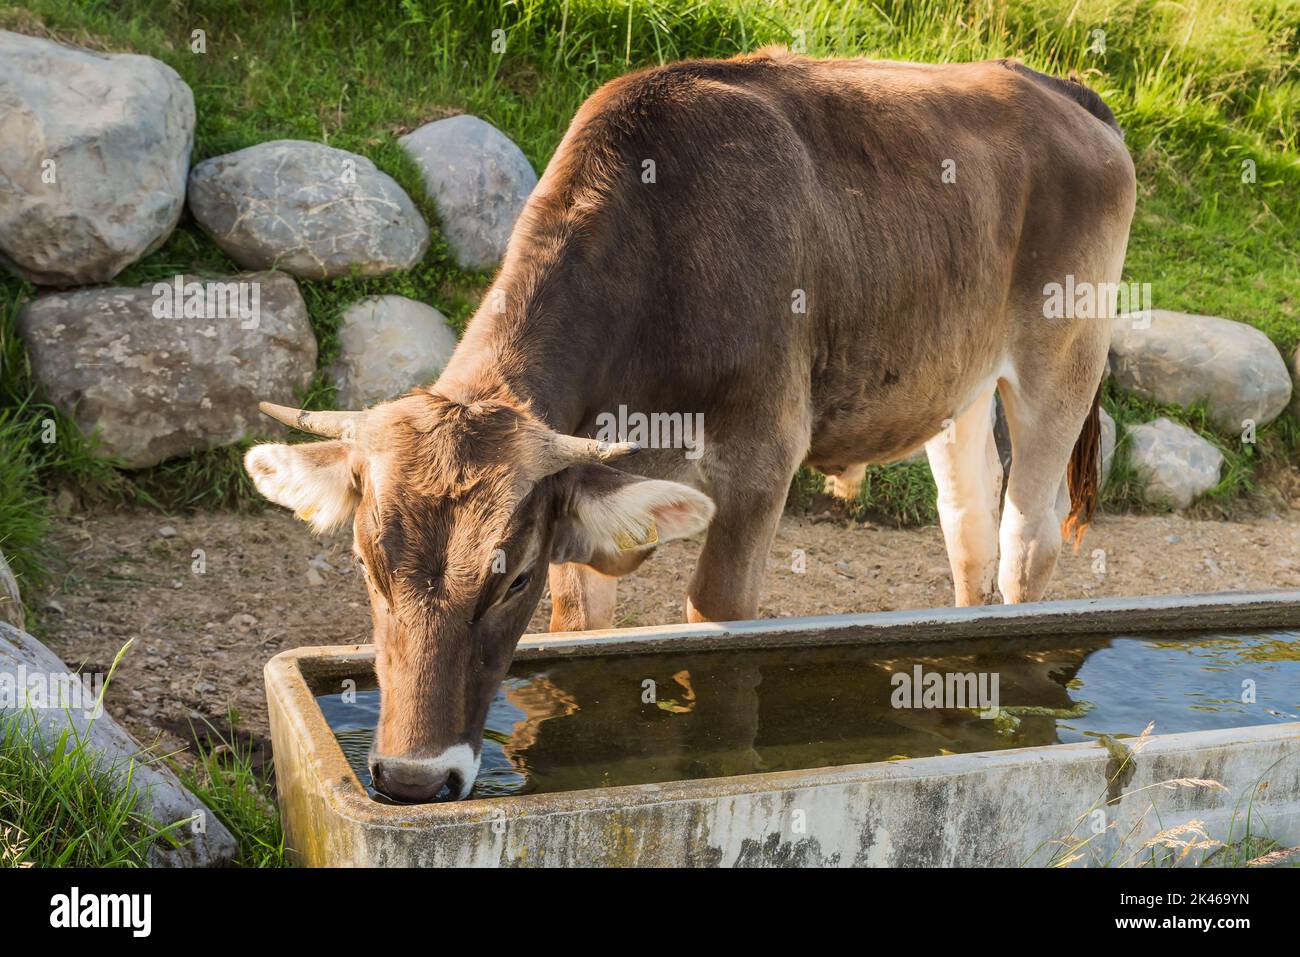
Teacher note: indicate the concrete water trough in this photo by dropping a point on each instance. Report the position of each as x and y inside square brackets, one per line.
[1096, 801]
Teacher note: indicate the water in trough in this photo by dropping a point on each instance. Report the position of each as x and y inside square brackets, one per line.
[572, 724]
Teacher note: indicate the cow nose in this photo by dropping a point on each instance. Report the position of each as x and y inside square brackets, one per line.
[404, 781]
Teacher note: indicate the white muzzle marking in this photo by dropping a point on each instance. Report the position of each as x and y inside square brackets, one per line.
[460, 758]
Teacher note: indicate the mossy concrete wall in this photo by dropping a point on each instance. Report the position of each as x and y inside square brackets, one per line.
[1016, 807]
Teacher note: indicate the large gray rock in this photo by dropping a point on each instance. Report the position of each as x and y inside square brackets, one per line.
[155, 387]
[387, 345]
[11, 602]
[94, 148]
[1107, 444]
[1181, 359]
[1178, 464]
[480, 181]
[1295, 382]
[308, 209]
[48, 701]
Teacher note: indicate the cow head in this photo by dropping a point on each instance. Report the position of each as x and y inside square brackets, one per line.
[457, 508]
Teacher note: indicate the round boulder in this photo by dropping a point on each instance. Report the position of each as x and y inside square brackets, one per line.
[174, 367]
[1107, 444]
[94, 148]
[387, 345]
[11, 602]
[480, 181]
[307, 209]
[1178, 464]
[1182, 359]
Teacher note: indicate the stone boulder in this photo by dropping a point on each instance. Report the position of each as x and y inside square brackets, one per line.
[1108, 434]
[308, 209]
[164, 370]
[1182, 359]
[480, 181]
[94, 148]
[48, 701]
[387, 345]
[1295, 382]
[1178, 464]
[11, 602]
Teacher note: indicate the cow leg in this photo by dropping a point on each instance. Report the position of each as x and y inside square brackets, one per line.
[1045, 415]
[582, 599]
[729, 573]
[968, 474]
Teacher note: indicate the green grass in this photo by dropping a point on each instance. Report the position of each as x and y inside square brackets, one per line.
[1199, 86]
[40, 450]
[223, 778]
[22, 511]
[903, 493]
[64, 811]
[59, 807]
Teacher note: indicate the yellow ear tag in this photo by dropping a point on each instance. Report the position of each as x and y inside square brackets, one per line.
[306, 513]
[650, 536]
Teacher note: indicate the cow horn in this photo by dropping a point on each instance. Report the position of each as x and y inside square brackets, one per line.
[332, 425]
[567, 450]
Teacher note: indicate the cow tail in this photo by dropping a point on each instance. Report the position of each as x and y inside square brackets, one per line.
[1084, 476]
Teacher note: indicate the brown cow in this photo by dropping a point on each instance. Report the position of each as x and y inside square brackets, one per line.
[835, 262]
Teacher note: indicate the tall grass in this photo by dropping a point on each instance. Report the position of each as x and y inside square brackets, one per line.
[61, 807]
[1248, 842]
[63, 810]
[22, 504]
[241, 797]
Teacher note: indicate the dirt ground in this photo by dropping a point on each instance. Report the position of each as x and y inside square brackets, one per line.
[207, 599]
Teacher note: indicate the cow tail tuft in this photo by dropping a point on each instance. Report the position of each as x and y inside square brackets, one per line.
[1084, 476]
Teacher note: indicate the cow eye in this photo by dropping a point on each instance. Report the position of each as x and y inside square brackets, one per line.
[520, 583]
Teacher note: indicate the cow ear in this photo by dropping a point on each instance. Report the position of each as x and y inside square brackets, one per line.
[611, 520]
[315, 479]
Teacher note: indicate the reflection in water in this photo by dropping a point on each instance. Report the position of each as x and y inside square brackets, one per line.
[599, 722]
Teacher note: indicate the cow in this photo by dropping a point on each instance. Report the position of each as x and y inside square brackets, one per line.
[834, 262]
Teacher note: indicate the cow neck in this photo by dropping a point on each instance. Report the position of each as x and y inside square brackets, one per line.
[530, 362]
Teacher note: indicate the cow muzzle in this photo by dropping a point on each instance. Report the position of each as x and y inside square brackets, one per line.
[447, 777]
